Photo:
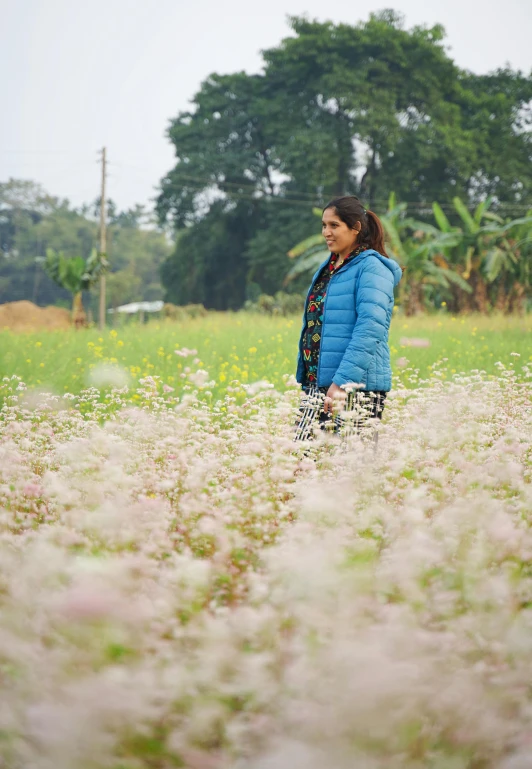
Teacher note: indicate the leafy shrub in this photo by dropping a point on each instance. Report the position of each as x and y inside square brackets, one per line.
[183, 312]
[281, 303]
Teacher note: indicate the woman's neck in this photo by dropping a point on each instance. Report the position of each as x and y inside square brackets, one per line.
[342, 255]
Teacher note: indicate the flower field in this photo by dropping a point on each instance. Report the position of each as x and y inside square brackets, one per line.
[183, 586]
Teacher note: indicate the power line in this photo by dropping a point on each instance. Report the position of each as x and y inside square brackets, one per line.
[41, 152]
[297, 198]
[103, 242]
[302, 197]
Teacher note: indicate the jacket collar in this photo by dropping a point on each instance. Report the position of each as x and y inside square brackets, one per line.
[355, 260]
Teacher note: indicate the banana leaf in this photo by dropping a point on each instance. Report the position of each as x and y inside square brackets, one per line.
[304, 245]
[446, 276]
[469, 262]
[454, 277]
[394, 238]
[308, 263]
[441, 220]
[481, 210]
[415, 225]
[443, 241]
[495, 260]
[465, 216]
[494, 217]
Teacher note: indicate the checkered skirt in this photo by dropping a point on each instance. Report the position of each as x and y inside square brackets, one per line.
[359, 409]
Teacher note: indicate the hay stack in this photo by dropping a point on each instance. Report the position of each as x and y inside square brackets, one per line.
[26, 316]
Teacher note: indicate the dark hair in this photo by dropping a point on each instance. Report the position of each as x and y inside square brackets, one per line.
[350, 210]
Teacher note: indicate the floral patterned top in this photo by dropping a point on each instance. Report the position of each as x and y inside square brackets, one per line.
[314, 316]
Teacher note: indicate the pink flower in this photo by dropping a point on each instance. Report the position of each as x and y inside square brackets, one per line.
[409, 341]
[32, 490]
[84, 603]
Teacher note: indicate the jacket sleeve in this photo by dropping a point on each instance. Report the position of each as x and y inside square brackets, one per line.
[373, 297]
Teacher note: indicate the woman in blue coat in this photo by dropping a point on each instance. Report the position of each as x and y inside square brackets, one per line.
[344, 357]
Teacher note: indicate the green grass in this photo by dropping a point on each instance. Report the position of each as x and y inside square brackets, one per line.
[471, 342]
[244, 347]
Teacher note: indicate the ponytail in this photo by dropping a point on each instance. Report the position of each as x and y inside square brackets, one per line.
[375, 233]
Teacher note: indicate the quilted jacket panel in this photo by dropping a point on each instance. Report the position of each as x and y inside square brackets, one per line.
[356, 320]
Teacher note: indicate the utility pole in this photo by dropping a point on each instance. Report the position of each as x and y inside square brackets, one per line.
[103, 242]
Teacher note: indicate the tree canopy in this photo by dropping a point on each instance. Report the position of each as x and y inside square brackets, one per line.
[368, 109]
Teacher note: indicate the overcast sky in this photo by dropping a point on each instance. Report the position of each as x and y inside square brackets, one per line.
[80, 75]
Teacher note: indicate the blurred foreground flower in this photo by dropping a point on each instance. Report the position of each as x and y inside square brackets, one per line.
[257, 387]
[38, 398]
[108, 375]
[182, 585]
[200, 378]
[410, 341]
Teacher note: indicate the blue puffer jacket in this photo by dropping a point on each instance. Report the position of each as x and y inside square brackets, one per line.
[356, 319]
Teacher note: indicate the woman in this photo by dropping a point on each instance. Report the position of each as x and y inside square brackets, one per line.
[344, 358]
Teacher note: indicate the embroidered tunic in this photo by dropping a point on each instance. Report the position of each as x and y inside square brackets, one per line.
[314, 316]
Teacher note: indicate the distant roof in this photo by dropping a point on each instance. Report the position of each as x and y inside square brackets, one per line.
[140, 307]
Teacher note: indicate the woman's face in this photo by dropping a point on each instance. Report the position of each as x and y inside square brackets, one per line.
[339, 237]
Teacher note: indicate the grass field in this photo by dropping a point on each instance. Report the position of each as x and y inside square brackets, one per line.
[247, 348]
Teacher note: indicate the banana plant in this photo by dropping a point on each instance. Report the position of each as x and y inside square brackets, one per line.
[75, 275]
[462, 262]
[417, 246]
[508, 263]
[490, 251]
[466, 257]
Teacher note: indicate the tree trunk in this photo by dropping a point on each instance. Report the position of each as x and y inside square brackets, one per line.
[453, 304]
[501, 299]
[343, 139]
[480, 293]
[367, 183]
[79, 319]
[414, 301]
[464, 301]
[517, 302]
[264, 154]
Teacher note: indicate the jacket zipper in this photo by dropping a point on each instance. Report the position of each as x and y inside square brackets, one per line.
[324, 306]
[322, 330]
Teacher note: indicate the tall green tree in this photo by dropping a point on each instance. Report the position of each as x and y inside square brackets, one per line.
[224, 149]
[208, 265]
[281, 223]
[360, 103]
[366, 109]
[497, 108]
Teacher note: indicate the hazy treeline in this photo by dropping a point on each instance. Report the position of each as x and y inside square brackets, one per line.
[32, 221]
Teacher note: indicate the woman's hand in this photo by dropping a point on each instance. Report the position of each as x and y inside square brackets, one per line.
[335, 399]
